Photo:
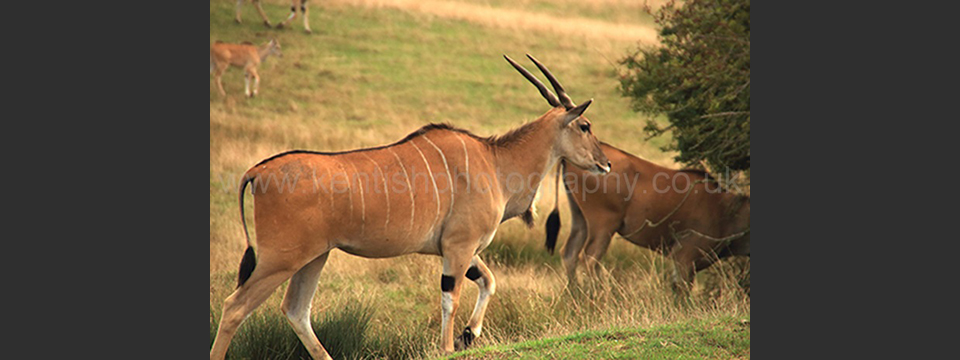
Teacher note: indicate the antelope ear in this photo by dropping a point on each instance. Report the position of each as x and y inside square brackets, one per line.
[574, 113]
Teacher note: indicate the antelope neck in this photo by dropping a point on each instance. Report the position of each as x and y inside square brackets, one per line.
[524, 161]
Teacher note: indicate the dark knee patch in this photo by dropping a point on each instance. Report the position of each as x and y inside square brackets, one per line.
[293, 9]
[473, 273]
[446, 283]
[527, 218]
[303, 8]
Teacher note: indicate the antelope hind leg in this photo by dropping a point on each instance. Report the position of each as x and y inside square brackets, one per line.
[242, 302]
[297, 303]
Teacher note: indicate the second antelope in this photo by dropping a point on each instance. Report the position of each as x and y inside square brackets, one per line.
[293, 13]
[246, 56]
[682, 213]
[439, 191]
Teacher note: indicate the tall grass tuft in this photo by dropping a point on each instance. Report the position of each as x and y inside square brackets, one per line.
[268, 335]
[344, 332]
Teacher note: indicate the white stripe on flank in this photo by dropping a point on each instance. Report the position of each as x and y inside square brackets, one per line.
[436, 191]
[449, 179]
[330, 190]
[485, 160]
[488, 178]
[349, 188]
[363, 206]
[385, 192]
[466, 160]
[409, 189]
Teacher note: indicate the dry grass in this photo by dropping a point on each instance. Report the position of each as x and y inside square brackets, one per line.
[522, 20]
[532, 301]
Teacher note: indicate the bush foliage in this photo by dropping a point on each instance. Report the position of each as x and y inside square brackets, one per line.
[699, 78]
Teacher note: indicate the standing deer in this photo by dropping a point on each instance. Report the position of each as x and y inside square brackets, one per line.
[246, 56]
[439, 191]
[293, 13]
[684, 214]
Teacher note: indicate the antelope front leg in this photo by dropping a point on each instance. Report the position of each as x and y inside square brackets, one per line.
[483, 277]
[451, 282]
[685, 270]
[256, 83]
[571, 252]
[239, 6]
[306, 19]
[251, 73]
[263, 15]
[218, 77]
[293, 15]
[597, 245]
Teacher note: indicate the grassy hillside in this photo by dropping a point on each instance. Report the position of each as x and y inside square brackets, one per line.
[374, 71]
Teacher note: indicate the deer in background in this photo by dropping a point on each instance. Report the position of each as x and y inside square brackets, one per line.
[293, 14]
[246, 56]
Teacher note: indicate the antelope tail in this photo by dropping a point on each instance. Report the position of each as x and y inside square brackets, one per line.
[553, 221]
[249, 261]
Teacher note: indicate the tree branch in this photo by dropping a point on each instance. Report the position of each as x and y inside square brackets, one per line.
[725, 113]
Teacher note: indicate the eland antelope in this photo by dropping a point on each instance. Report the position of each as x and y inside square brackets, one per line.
[684, 214]
[293, 13]
[439, 191]
[246, 56]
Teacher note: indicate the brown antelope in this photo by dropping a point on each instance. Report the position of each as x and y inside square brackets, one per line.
[293, 13]
[440, 191]
[246, 56]
[682, 213]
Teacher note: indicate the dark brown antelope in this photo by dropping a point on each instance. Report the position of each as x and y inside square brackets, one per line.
[683, 214]
[440, 191]
[293, 13]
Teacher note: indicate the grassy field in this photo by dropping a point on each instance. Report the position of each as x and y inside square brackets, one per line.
[718, 338]
[374, 71]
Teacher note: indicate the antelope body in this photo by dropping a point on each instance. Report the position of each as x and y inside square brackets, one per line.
[680, 213]
[440, 191]
[293, 13]
[245, 56]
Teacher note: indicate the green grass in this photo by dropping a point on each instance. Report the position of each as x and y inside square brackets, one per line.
[717, 338]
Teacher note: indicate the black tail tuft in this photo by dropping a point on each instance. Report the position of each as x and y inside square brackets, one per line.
[553, 229]
[246, 266]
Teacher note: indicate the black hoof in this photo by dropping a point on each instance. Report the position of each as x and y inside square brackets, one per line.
[466, 339]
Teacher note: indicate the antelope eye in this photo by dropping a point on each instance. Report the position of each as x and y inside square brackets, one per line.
[585, 127]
